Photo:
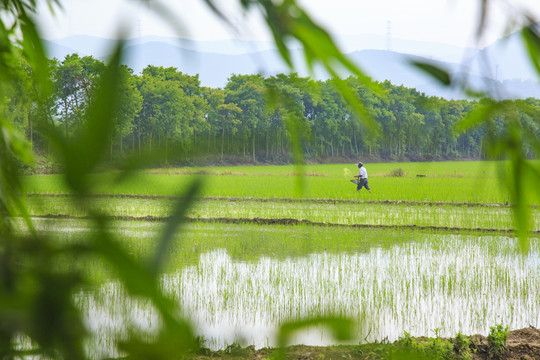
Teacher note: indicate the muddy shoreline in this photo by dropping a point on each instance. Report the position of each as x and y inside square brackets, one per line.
[522, 344]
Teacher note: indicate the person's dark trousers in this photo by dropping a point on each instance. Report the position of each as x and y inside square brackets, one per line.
[362, 183]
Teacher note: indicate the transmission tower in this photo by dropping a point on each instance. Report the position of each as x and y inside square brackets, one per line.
[389, 35]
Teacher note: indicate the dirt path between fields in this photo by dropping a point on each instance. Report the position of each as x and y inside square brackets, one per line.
[290, 221]
[287, 200]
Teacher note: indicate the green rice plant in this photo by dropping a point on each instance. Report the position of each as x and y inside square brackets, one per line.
[462, 346]
[497, 341]
[279, 182]
[345, 213]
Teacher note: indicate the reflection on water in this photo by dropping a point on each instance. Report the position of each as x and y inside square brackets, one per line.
[463, 283]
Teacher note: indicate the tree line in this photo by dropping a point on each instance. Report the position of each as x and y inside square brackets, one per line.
[252, 118]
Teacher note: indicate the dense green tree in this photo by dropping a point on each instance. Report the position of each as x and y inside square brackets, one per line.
[229, 117]
[247, 92]
[256, 118]
[287, 117]
[163, 102]
[16, 107]
[129, 106]
[173, 108]
[75, 81]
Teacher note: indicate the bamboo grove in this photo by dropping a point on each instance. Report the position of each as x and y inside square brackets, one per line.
[252, 117]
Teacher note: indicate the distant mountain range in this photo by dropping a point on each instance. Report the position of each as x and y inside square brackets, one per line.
[501, 68]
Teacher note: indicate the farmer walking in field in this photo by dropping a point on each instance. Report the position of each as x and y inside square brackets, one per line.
[362, 178]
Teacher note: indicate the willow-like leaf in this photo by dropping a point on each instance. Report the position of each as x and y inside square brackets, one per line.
[6, 50]
[215, 9]
[13, 146]
[32, 46]
[532, 111]
[136, 278]
[289, 21]
[176, 335]
[484, 11]
[533, 176]
[15, 142]
[54, 309]
[474, 93]
[342, 330]
[164, 13]
[532, 41]
[521, 200]
[84, 153]
[477, 117]
[530, 133]
[175, 221]
[134, 162]
[357, 106]
[295, 125]
[434, 71]
[168, 344]
[277, 25]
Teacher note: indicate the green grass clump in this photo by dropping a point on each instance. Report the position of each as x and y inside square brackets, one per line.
[497, 341]
[462, 346]
[397, 173]
[436, 348]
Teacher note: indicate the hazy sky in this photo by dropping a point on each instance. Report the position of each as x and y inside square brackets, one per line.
[446, 21]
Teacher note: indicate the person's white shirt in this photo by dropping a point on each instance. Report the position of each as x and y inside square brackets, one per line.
[362, 173]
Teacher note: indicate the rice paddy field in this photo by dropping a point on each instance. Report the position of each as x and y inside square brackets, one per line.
[455, 182]
[432, 251]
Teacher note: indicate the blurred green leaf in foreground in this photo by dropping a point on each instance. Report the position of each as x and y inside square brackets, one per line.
[35, 295]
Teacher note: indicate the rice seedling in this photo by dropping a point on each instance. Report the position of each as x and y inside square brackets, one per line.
[237, 281]
[345, 213]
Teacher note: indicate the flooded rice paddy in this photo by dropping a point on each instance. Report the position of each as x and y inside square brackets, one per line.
[485, 217]
[425, 283]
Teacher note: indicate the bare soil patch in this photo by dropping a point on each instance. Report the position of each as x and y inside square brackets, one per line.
[523, 344]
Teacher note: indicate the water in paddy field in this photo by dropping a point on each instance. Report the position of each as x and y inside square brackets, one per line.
[443, 283]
